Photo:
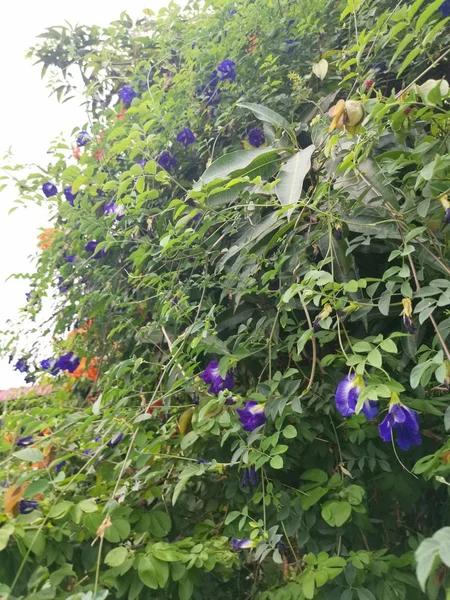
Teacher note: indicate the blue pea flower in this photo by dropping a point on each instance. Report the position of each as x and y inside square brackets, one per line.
[82, 139]
[256, 137]
[237, 545]
[446, 217]
[167, 161]
[445, 8]
[23, 442]
[49, 189]
[21, 366]
[114, 209]
[227, 69]
[252, 415]
[68, 362]
[27, 506]
[290, 23]
[91, 246]
[347, 394]
[127, 94]
[142, 162]
[291, 44]
[405, 422]
[212, 376]
[202, 461]
[71, 258]
[49, 364]
[250, 477]
[113, 442]
[63, 285]
[233, 11]
[69, 196]
[60, 466]
[186, 137]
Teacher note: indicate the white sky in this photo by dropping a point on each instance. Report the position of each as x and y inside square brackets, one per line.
[30, 120]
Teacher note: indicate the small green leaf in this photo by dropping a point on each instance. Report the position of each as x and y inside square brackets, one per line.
[374, 358]
[276, 462]
[290, 432]
[116, 557]
[29, 454]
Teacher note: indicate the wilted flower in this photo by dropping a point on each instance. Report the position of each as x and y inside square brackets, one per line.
[256, 137]
[167, 161]
[347, 394]
[346, 113]
[186, 137]
[127, 94]
[252, 415]
[82, 139]
[68, 362]
[114, 209]
[115, 440]
[27, 506]
[69, 196]
[237, 545]
[227, 69]
[49, 189]
[23, 442]
[404, 421]
[21, 366]
[212, 376]
[407, 315]
[324, 313]
[250, 477]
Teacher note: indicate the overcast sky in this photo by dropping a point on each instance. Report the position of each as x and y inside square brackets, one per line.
[30, 120]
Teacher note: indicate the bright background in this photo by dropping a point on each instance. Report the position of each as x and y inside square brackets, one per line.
[30, 120]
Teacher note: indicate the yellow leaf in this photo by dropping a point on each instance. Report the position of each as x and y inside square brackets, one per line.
[320, 69]
[185, 420]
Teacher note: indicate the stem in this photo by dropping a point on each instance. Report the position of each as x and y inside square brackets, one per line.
[97, 570]
[314, 346]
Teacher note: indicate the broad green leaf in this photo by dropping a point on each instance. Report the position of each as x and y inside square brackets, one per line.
[29, 454]
[292, 175]
[147, 573]
[116, 556]
[266, 114]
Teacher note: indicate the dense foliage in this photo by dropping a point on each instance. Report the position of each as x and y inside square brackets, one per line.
[249, 272]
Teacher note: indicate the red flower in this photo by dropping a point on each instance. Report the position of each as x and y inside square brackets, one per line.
[369, 83]
[154, 405]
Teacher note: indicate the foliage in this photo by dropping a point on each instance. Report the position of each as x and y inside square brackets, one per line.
[316, 258]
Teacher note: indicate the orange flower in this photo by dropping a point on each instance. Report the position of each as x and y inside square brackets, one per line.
[121, 115]
[91, 372]
[76, 152]
[99, 154]
[253, 39]
[47, 237]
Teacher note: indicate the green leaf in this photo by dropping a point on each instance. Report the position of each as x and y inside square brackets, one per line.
[276, 462]
[147, 573]
[409, 58]
[36, 487]
[167, 552]
[5, 533]
[315, 475]
[290, 432]
[426, 14]
[365, 594]
[374, 358]
[292, 175]
[389, 346]
[160, 523]
[308, 584]
[312, 497]
[161, 571]
[135, 588]
[185, 588]
[60, 509]
[36, 541]
[266, 114]
[229, 163]
[88, 506]
[425, 556]
[29, 454]
[116, 556]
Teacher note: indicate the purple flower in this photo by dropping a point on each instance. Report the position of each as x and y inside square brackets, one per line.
[250, 477]
[233, 11]
[82, 139]
[23, 442]
[202, 461]
[237, 545]
[290, 23]
[69, 196]
[127, 94]
[445, 8]
[291, 44]
[27, 506]
[408, 324]
[47, 363]
[64, 286]
[142, 162]
[30, 378]
[49, 189]
[115, 440]
[405, 422]
[4, 483]
[252, 415]
[227, 69]
[91, 246]
[68, 362]
[114, 209]
[167, 161]
[186, 137]
[380, 67]
[346, 398]
[212, 376]
[21, 366]
[71, 258]
[60, 465]
[256, 137]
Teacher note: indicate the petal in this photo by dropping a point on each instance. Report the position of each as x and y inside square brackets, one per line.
[345, 401]
[406, 437]
[385, 428]
[370, 409]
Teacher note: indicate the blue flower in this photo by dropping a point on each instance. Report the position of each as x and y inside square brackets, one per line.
[346, 398]
[23, 442]
[30, 378]
[212, 376]
[250, 477]
[405, 422]
[49, 189]
[91, 246]
[21, 366]
[50, 363]
[68, 362]
[71, 258]
[60, 465]
[115, 440]
[27, 506]
[227, 69]
[167, 161]
[202, 461]
[256, 137]
[446, 217]
[233, 11]
[64, 286]
[445, 8]
[142, 162]
[69, 196]
[186, 137]
[82, 139]
[114, 209]
[127, 94]
[237, 545]
[290, 23]
[252, 415]
[291, 44]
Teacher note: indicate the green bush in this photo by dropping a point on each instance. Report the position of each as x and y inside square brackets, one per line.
[266, 185]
